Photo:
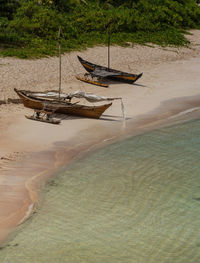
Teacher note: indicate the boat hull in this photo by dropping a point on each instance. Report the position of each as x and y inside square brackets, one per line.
[62, 107]
[122, 76]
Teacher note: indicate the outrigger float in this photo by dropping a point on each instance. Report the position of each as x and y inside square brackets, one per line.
[86, 78]
[43, 116]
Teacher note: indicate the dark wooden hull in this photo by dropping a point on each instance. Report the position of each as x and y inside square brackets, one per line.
[122, 76]
[61, 107]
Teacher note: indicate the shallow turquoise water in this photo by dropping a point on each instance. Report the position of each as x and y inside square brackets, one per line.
[133, 201]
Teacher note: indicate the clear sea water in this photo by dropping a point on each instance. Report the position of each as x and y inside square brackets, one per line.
[135, 201]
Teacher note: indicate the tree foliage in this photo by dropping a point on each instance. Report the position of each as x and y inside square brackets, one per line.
[8, 7]
[32, 19]
[33, 24]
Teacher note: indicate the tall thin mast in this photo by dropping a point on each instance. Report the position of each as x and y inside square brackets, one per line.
[108, 32]
[108, 36]
[59, 48]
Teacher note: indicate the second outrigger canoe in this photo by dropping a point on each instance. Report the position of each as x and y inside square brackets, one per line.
[105, 72]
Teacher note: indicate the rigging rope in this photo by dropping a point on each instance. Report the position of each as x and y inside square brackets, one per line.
[80, 83]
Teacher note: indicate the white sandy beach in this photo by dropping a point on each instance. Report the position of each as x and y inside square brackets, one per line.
[32, 151]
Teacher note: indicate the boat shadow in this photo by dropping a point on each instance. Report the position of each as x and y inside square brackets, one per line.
[139, 85]
[113, 118]
[113, 82]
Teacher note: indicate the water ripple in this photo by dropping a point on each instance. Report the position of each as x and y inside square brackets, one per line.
[133, 201]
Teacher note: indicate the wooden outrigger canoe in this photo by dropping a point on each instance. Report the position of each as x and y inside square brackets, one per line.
[105, 72]
[60, 106]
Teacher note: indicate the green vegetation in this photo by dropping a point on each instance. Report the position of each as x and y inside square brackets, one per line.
[29, 28]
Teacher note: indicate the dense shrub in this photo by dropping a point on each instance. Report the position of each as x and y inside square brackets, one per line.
[84, 23]
[8, 7]
[36, 20]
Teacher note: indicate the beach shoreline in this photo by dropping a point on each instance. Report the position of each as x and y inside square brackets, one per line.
[43, 165]
[31, 152]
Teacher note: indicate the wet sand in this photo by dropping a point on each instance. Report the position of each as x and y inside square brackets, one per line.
[31, 152]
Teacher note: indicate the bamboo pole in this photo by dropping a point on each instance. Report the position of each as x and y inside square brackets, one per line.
[108, 47]
[59, 49]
